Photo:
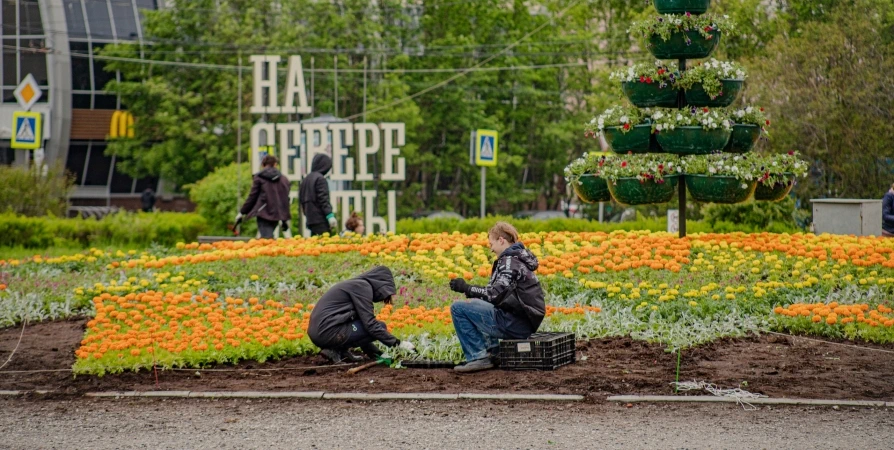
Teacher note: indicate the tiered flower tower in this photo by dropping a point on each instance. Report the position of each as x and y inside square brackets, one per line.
[682, 32]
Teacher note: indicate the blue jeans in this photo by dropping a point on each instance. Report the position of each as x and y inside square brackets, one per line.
[476, 327]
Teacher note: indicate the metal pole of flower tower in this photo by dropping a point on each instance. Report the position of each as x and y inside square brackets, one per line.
[681, 184]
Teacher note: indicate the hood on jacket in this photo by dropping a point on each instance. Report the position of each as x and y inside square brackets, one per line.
[381, 280]
[270, 174]
[524, 255]
[322, 164]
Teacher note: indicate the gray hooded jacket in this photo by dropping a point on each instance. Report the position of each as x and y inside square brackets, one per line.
[330, 320]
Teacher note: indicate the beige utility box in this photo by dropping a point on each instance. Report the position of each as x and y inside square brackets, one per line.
[859, 217]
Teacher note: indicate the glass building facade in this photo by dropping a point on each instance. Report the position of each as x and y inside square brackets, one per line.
[56, 41]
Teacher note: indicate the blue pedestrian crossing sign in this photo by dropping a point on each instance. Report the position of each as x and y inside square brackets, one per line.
[486, 147]
[26, 130]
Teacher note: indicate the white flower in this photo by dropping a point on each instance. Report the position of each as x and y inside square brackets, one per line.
[659, 127]
[593, 121]
[744, 186]
[711, 169]
[679, 117]
[740, 113]
[624, 119]
[658, 115]
[749, 110]
[672, 126]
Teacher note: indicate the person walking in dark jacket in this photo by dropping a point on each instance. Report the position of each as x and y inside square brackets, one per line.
[314, 197]
[268, 199]
[344, 318]
[888, 213]
[148, 200]
[511, 306]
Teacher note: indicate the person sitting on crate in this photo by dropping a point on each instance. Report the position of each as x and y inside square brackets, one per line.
[511, 306]
[344, 318]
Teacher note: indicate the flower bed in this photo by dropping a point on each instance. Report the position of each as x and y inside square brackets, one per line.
[217, 303]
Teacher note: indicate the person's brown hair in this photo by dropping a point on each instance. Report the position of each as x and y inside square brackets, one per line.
[269, 161]
[505, 231]
[353, 221]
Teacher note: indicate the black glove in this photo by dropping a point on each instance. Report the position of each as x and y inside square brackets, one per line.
[459, 285]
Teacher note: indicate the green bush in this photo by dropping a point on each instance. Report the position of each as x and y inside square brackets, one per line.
[27, 192]
[124, 228]
[764, 216]
[216, 197]
[407, 226]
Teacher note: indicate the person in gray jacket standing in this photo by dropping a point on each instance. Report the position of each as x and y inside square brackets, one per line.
[314, 197]
[268, 200]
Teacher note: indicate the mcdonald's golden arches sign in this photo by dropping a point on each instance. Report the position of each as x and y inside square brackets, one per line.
[122, 125]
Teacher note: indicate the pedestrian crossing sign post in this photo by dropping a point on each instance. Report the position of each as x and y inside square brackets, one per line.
[486, 148]
[26, 130]
[483, 153]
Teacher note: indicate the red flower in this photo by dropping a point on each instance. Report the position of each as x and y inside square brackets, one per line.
[660, 71]
[661, 167]
[626, 126]
[768, 122]
[708, 28]
[791, 153]
[648, 79]
[762, 109]
[624, 164]
[705, 109]
[642, 79]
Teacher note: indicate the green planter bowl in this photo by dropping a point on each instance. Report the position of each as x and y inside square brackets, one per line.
[677, 48]
[637, 140]
[592, 189]
[631, 191]
[776, 192]
[649, 95]
[682, 6]
[693, 140]
[708, 189]
[743, 138]
[696, 96]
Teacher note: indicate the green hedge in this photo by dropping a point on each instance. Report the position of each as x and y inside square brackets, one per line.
[124, 228]
[407, 226]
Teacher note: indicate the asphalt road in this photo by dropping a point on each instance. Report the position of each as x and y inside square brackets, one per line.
[239, 423]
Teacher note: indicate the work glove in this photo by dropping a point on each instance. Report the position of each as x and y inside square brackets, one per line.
[332, 221]
[286, 229]
[459, 285]
[408, 346]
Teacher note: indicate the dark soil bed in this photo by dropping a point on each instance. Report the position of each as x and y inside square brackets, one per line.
[778, 366]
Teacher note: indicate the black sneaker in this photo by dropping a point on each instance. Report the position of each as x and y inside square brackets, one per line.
[475, 366]
[333, 355]
[347, 356]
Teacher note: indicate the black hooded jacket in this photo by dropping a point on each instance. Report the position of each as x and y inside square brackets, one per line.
[330, 320]
[888, 211]
[520, 310]
[269, 196]
[314, 192]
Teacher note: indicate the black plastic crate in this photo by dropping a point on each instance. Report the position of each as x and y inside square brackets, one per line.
[541, 351]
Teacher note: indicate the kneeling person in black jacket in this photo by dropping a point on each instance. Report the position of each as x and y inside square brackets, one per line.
[511, 306]
[343, 318]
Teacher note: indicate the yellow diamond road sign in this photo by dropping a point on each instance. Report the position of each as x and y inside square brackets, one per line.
[28, 92]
